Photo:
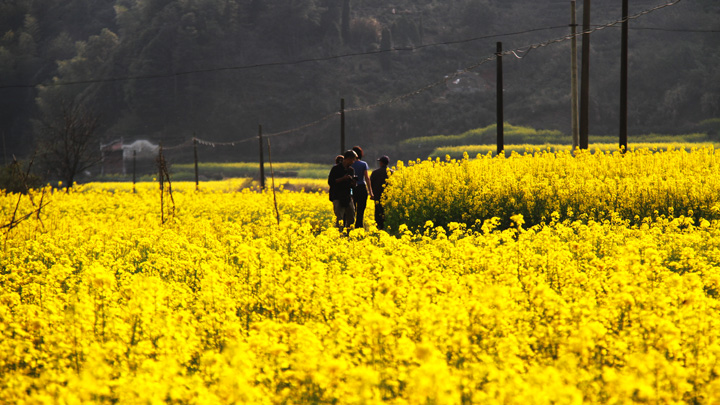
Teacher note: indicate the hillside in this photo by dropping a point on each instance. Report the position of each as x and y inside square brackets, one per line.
[164, 70]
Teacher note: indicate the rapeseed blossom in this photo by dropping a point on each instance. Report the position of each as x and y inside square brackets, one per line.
[638, 185]
[102, 302]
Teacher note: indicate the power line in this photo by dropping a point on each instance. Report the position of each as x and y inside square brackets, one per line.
[276, 64]
[517, 52]
[270, 135]
[673, 30]
[301, 61]
[595, 29]
[689, 30]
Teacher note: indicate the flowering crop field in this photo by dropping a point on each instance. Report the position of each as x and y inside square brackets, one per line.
[639, 185]
[103, 301]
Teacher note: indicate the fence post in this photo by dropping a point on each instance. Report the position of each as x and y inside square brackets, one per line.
[342, 125]
[159, 162]
[500, 112]
[197, 175]
[262, 163]
[272, 174]
[161, 176]
[134, 168]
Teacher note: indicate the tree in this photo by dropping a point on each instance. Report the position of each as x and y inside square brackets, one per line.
[69, 142]
[386, 44]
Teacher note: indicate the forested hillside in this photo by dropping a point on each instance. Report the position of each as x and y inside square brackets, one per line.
[164, 70]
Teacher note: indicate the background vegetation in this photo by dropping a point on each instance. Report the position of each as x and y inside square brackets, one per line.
[165, 69]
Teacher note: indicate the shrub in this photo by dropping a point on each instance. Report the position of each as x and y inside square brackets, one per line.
[15, 179]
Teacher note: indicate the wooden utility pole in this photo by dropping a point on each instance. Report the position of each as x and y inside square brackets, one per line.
[500, 112]
[624, 79]
[585, 85]
[342, 125]
[262, 163]
[574, 76]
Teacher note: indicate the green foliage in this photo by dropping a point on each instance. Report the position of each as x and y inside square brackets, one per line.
[217, 171]
[487, 135]
[181, 58]
[14, 178]
[711, 127]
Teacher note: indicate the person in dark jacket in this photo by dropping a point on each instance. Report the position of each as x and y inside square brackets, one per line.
[362, 188]
[341, 181]
[378, 178]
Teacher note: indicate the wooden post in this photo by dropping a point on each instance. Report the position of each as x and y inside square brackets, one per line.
[272, 176]
[574, 76]
[342, 125]
[197, 174]
[161, 176]
[159, 163]
[500, 112]
[134, 169]
[262, 163]
[585, 85]
[624, 80]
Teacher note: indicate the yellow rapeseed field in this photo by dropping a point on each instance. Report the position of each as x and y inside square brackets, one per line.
[639, 185]
[103, 299]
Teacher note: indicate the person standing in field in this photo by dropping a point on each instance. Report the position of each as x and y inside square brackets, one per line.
[341, 181]
[362, 189]
[377, 181]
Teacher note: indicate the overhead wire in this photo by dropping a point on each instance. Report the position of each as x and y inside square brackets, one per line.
[517, 52]
[334, 57]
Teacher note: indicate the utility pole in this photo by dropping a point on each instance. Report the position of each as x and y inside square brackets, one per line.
[585, 85]
[500, 112]
[574, 76]
[624, 79]
[197, 174]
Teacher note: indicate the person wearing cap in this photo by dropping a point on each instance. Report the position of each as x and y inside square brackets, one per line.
[378, 178]
[362, 188]
[341, 181]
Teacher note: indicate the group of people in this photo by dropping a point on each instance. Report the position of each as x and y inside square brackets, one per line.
[351, 184]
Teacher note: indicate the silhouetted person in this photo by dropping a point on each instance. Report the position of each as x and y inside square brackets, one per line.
[377, 181]
[361, 189]
[341, 181]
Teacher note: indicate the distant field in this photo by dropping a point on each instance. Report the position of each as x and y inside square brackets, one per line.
[218, 171]
[221, 186]
[222, 171]
[457, 152]
[312, 176]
